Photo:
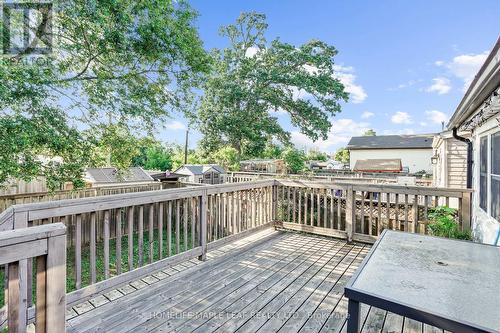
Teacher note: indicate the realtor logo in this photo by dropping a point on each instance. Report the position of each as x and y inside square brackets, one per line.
[27, 28]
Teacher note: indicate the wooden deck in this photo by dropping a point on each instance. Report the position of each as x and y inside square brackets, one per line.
[269, 282]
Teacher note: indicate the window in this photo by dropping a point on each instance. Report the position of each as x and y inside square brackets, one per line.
[489, 174]
[495, 176]
[483, 173]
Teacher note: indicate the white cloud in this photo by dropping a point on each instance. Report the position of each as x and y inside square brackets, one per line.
[465, 66]
[341, 132]
[346, 76]
[404, 131]
[175, 125]
[401, 118]
[436, 117]
[366, 115]
[251, 51]
[441, 86]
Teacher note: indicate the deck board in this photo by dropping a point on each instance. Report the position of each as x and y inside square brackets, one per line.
[273, 282]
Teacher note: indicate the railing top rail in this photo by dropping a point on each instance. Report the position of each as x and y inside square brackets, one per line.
[404, 189]
[84, 205]
[24, 235]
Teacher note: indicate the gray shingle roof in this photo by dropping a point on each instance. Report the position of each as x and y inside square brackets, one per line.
[199, 169]
[378, 165]
[111, 175]
[391, 142]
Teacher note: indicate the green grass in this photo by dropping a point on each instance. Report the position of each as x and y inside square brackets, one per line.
[70, 260]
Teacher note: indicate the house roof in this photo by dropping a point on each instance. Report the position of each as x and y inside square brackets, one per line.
[164, 175]
[485, 82]
[378, 165]
[111, 175]
[261, 160]
[199, 169]
[391, 142]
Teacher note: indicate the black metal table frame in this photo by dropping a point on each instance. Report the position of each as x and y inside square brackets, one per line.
[357, 296]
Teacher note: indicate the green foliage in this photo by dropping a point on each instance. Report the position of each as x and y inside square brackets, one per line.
[272, 151]
[342, 155]
[153, 155]
[444, 223]
[316, 155]
[252, 78]
[115, 62]
[194, 157]
[294, 159]
[370, 132]
[227, 157]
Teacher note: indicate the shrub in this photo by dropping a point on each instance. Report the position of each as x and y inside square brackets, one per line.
[444, 224]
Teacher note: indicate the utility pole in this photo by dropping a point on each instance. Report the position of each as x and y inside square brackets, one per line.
[186, 146]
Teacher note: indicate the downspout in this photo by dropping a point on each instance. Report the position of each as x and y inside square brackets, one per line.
[469, 156]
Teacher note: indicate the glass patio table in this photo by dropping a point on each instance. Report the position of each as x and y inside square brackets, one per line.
[450, 284]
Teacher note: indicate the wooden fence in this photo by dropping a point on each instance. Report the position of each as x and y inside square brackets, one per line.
[159, 228]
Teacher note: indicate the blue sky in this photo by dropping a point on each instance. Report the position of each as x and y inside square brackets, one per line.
[406, 64]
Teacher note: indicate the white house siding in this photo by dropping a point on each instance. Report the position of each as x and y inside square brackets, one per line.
[485, 227]
[451, 167]
[415, 159]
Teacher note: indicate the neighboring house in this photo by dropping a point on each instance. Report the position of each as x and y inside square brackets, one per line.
[202, 173]
[99, 177]
[378, 165]
[263, 165]
[327, 165]
[449, 161]
[414, 151]
[477, 119]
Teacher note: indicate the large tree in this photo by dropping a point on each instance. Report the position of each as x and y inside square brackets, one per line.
[252, 81]
[124, 64]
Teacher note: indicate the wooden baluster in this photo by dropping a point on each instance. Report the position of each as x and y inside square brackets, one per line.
[300, 206]
[294, 204]
[379, 219]
[397, 225]
[151, 229]
[130, 218]
[203, 226]
[106, 244]
[78, 252]
[177, 226]
[350, 213]
[362, 212]
[169, 228]
[161, 212]
[339, 210]
[318, 200]
[118, 243]
[185, 212]
[312, 207]
[93, 247]
[415, 225]
[41, 294]
[305, 206]
[141, 235]
[370, 218]
[406, 213]
[388, 202]
[193, 222]
[332, 209]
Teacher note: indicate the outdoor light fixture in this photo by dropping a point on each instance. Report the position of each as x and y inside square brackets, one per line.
[434, 159]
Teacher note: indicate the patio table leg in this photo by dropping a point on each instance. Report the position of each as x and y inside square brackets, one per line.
[353, 316]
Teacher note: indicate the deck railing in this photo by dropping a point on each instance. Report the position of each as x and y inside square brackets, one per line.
[146, 231]
[47, 245]
[361, 211]
[244, 176]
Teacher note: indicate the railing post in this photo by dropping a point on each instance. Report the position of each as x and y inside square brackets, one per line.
[466, 209]
[203, 226]
[55, 298]
[350, 213]
[275, 201]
